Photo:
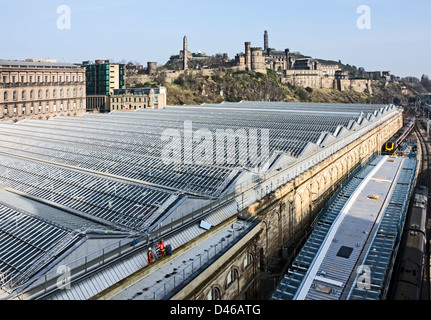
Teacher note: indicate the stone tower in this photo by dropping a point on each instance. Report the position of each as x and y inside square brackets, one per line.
[257, 60]
[151, 67]
[185, 53]
[265, 41]
[248, 56]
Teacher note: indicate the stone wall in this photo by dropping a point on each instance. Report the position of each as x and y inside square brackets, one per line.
[358, 85]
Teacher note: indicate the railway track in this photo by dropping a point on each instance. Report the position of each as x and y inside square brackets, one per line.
[424, 179]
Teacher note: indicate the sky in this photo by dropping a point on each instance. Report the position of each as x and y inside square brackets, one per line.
[391, 35]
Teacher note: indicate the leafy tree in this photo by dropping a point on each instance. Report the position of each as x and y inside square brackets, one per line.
[426, 82]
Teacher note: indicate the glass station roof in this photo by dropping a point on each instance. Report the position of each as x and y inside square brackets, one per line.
[110, 168]
[24, 240]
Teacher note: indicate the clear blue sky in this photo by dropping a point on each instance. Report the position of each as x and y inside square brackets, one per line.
[138, 30]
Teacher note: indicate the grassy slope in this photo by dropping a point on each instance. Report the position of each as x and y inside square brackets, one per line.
[193, 88]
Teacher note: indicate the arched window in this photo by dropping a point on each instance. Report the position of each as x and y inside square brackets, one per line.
[31, 94]
[23, 94]
[5, 96]
[248, 260]
[262, 259]
[47, 93]
[214, 294]
[54, 93]
[61, 93]
[14, 95]
[232, 276]
[39, 94]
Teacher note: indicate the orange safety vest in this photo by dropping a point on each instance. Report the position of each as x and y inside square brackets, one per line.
[150, 256]
[162, 247]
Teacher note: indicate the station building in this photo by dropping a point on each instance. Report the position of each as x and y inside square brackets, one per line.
[228, 187]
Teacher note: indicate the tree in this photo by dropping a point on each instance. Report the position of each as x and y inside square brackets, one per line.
[426, 82]
[161, 78]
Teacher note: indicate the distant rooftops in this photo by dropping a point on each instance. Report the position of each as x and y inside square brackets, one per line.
[99, 61]
[138, 91]
[37, 63]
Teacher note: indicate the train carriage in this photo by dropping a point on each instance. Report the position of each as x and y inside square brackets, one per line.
[401, 135]
[407, 285]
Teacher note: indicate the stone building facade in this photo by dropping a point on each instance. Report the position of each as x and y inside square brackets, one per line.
[138, 98]
[291, 68]
[42, 90]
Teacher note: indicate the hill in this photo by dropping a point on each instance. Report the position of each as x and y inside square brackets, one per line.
[194, 88]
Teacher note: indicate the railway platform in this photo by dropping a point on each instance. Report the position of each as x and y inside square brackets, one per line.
[349, 255]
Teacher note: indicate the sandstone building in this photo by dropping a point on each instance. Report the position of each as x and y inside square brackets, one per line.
[296, 70]
[138, 98]
[39, 89]
[292, 70]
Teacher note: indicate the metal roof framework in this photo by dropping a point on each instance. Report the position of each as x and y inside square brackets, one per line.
[108, 168]
[34, 242]
[114, 202]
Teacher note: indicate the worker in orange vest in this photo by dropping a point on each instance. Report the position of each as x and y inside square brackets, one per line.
[161, 247]
[150, 255]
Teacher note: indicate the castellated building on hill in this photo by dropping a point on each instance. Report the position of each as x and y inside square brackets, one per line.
[291, 68]
[296, 70]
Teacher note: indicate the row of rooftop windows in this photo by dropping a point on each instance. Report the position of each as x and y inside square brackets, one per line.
[38, 79]
[127, 107]
[40, 94]
[129, 99]
[30, 110]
